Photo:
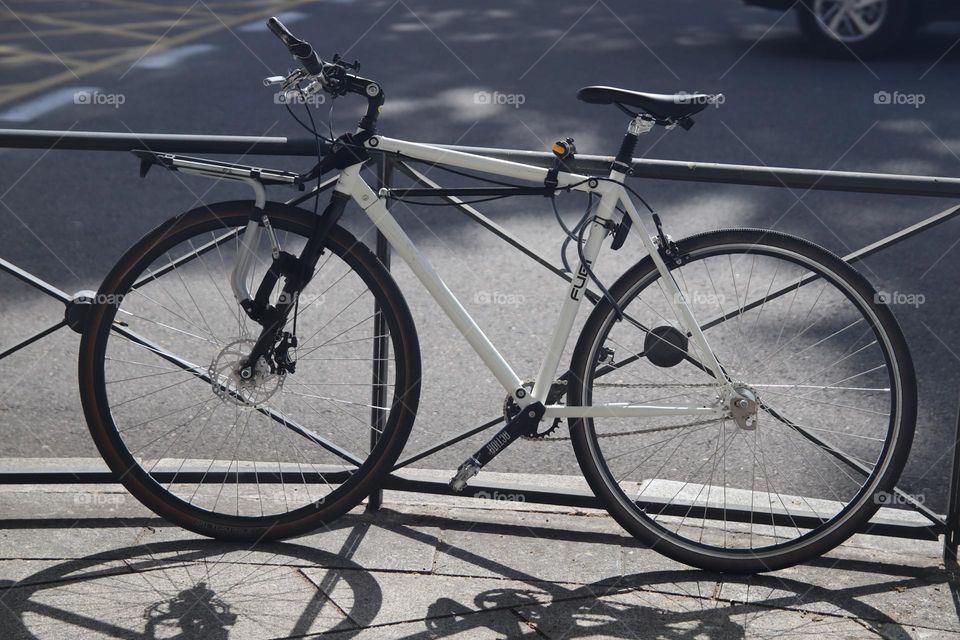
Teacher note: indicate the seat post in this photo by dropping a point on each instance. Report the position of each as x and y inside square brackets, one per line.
[624, 159]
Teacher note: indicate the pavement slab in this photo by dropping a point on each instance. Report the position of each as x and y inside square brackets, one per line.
[462, 626]
[433, 567]
[434, 597]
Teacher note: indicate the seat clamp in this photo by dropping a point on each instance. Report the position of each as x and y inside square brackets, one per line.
[640, 125]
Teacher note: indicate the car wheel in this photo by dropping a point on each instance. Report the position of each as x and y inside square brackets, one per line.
[864, 27]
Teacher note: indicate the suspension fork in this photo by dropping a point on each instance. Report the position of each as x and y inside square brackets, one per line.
[297, 273]
[248, 245]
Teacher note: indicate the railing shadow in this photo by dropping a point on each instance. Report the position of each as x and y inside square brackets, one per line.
[212, 590]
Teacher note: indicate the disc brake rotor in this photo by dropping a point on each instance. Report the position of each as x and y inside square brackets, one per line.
[230, 387]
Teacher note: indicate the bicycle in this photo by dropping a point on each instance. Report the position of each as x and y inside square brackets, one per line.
[689, 397]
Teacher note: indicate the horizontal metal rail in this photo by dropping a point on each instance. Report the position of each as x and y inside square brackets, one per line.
[708, 172]
[742, 174]
[165, 142]
[187, 475]
[584, 499]
[419, 482]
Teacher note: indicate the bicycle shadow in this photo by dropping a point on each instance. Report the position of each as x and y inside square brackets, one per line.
[193, 589]
[207, 589]
[197, 612]
[657, 605]
[675, 603]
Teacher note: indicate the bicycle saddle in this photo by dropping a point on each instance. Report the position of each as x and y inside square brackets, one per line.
[664, 107]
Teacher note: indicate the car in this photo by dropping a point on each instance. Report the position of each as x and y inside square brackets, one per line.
[865, 27]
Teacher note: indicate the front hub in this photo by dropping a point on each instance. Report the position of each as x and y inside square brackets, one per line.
[246, 386]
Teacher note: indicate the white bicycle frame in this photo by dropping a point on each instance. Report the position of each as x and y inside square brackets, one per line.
[611, 193]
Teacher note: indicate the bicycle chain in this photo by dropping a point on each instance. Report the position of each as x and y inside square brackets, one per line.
[625, 385]
[651, 385]
[637, 431]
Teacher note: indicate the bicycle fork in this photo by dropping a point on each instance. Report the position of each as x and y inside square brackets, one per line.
[676, 297]
[296, 271]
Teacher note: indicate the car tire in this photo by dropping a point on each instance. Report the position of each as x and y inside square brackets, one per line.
[897, 20]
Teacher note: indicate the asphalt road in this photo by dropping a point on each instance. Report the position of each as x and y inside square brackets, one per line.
[67, 216]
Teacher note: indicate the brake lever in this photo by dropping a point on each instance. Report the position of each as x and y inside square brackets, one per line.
[293, 79]
[291, 85]
[352, 66]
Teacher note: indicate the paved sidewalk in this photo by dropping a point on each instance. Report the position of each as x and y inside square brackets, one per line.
[85, 561]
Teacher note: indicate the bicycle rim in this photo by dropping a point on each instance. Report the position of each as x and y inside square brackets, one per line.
[836, 396]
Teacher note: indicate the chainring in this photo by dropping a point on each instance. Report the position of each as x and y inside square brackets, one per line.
[557, 390]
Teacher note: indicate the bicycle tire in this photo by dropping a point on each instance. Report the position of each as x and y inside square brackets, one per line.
[644, 522]
[359, 483]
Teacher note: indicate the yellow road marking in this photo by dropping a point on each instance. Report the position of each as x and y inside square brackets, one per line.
[153, 8]
[166, 23]
[15, 55]
[21, 90]
[67, 31]
[82, 18]
[50, 33]
[83, 27]
[85, 53]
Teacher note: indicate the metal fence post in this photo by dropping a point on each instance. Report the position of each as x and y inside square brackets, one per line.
[381, 343]
[951, 536]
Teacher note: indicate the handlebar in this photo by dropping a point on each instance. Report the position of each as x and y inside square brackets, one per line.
[299, 49]
[334, 76]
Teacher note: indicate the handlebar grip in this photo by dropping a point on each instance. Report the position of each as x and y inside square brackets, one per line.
[299, 49]
[281, 31]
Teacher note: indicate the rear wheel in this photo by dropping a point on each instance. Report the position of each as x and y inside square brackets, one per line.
[835, 395]
[273, 456]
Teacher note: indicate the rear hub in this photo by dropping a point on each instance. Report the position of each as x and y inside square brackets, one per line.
[742, 407]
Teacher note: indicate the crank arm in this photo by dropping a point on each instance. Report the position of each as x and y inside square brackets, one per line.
[523, 424]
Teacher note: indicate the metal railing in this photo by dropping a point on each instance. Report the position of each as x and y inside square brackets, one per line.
[402, 478]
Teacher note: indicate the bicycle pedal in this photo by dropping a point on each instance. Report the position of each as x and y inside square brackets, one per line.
[466, 471]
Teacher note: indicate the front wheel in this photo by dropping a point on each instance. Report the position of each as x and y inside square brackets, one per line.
[279, 453]
[805, 335]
